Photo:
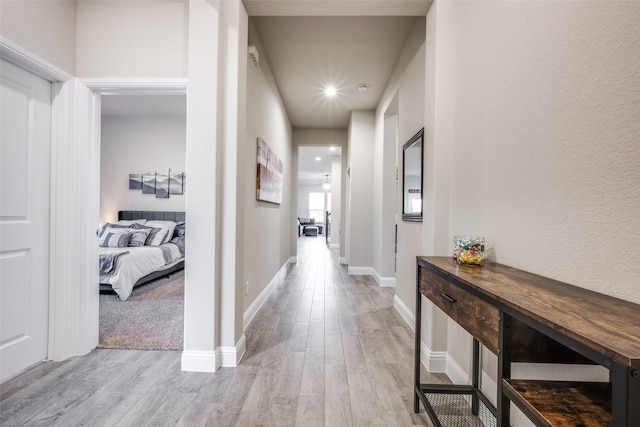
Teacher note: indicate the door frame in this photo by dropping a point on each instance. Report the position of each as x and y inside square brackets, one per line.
[114, 86]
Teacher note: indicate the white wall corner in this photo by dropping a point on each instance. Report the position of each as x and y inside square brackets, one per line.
[434, 361]
[360, 271]
[230, 356]
[334, 245]
[200, 361]
[343, 260]
[384, 282]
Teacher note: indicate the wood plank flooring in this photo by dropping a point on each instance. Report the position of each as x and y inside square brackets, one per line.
[326, 349]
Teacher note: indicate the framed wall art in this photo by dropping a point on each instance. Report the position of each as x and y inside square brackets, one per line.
[269, 178]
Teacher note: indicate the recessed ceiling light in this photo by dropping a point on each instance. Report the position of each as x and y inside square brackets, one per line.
[332, 148]
[330, 91]
[318, 159]
[362, 87]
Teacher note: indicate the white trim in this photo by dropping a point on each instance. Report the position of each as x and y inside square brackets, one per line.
[257, 304]
[434, 361]
[138, 86]
[32, 63]
[293, 260]
[199, 361]
[343, 260]
[360, 271]
[230, 356]
[404, 312]
[455, 372]
[384, 282]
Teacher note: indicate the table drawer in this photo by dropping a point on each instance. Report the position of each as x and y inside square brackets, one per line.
[476, 316]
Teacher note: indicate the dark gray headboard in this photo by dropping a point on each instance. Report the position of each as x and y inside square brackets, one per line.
[151, 215]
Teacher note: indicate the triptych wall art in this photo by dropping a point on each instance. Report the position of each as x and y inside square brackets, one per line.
[269, 180]
[160, 184]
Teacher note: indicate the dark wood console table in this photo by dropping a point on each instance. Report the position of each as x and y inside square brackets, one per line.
[523, 317]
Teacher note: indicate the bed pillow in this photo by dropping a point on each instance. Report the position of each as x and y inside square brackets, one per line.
[113, 229]
[131, 221]
[180, 229]
[139, 236]
[116, 240]
[166, 232]
[156, 236]
[104, 225]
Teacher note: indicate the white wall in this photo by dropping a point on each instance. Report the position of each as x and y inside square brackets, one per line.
[55, 21]
[135, 145]
[132, 38]
[269, 227]
[360, 223]
[336, 201]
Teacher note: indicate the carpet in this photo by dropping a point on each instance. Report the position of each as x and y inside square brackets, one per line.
[152, 318]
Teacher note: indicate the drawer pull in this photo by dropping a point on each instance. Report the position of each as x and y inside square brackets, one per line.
[448, 298]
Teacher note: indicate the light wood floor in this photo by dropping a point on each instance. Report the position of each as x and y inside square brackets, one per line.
[325, 349]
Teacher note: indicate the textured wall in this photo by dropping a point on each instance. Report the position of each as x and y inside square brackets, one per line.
[542, 117]
[132, 38]
[45, 28]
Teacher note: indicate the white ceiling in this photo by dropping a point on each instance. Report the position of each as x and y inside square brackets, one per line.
[337, 7]
[307, 54]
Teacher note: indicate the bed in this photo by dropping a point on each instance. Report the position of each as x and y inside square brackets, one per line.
[141, 247]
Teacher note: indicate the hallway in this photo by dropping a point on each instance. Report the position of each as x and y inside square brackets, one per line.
[325, 349]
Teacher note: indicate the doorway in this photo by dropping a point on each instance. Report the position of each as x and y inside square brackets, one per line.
[319, 193]
[142, 134]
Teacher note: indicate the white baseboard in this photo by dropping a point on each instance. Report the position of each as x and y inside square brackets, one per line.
[360, 271]
[434, 361]
[293, 260]
[384, 282]
[456, 374]
[230, 356]
[343, 260]
[257, 304]
[199, 361]
[404, 312]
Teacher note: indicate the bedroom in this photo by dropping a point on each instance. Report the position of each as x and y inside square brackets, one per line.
[142, 134]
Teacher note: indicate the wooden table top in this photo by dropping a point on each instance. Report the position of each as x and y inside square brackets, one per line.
[609, 325]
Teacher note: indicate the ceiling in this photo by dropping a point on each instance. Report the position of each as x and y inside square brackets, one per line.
[307, 54]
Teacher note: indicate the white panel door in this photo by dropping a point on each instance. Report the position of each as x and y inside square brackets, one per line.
[25, 135]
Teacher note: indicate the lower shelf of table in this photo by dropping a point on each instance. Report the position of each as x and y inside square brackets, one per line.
[453, 406]
[561, 403]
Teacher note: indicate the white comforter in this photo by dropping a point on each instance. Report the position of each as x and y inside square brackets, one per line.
[136, 264]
